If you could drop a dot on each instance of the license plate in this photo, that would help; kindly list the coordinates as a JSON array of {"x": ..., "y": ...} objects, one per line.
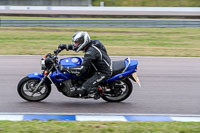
[{"x": 135, "y": 77}]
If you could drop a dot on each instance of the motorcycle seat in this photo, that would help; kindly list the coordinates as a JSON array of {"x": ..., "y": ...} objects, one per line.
[{"x": 117, "y": 67}]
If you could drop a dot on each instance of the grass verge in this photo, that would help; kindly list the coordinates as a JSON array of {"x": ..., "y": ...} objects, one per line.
[
  {"x": 98, "y": 127},
  {"x": 180, "y": 42},
  {"x": 149, "y": 3}
]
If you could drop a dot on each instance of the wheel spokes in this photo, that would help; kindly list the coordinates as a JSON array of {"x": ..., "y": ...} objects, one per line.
[{"x": 29, "y": 89}]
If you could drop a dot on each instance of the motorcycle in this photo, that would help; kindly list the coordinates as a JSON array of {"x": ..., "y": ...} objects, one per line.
[{"x": 36, "y": 87}]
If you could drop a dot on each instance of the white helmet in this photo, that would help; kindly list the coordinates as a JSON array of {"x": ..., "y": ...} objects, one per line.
[{"x": 81, "y": 40}]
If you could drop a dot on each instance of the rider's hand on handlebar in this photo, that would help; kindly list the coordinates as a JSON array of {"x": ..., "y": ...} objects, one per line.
[
  {"x": 48, "y": 55},
  {"x": 57, "y": 51},
  {"x": 62, "y": 46}
]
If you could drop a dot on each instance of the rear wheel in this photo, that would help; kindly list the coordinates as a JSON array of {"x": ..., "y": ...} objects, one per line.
[
  {"x": 122, "y": 90},
  {"x": 26, "y": 88}
]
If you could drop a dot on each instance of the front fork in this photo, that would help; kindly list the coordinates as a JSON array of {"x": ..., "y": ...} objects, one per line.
[
  {"x": 42, "y": 80},
  {"x": 37, "y": 87}
]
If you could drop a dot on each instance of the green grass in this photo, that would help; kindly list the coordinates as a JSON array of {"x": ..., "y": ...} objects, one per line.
[
  {"x": 119, "y": 41},
  {"x": 150, "y": 3},
  {"x": 98, "y": 127}
]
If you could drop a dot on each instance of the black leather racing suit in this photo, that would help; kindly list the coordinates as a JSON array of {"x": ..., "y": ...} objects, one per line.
[{"x": 96, "y": 55}]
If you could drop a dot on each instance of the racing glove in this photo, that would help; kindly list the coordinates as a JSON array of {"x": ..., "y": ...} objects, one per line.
[
  {"x": 66, "y": 46},
  {"x": 62, "y": 46}
]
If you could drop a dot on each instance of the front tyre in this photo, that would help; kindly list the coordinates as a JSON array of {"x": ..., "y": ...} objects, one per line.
[
  {"x": 26, "y": 87},
  {"x": 122, "y": 90}
]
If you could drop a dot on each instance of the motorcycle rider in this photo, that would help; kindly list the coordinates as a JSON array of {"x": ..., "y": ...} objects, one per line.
[{"x": 95, "y": 55}]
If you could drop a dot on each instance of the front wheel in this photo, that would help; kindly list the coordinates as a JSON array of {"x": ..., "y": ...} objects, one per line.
[
  {"x": 26, "y": 88},
  {"x": 121, "y": 90}
]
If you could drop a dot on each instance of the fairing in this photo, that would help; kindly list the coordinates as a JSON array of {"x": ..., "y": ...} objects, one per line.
[{"x": 130, "y": 67}]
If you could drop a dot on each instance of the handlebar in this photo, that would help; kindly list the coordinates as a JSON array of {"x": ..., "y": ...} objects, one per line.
[{"x": 57, "y": 51}]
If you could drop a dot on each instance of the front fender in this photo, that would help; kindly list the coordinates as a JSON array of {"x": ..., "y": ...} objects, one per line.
[{"x": 39, "y": 76}]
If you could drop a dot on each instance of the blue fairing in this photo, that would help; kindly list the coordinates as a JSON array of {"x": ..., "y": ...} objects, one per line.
[
  {"x": 58, "y": 76},
  {"x": 38, "y": 76},
  {"x": 130, "y": 68}
]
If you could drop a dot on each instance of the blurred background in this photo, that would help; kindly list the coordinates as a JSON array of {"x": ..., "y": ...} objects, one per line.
[
  {"x": 134, "y": 3},
  {"x": 139, "y": 27},
  {"x": 149, "y": 3}
]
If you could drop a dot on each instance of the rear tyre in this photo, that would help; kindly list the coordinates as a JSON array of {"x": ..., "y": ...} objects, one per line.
[
  {"x": 26, "y": 87},
  {"x": 125, "y": 91}
]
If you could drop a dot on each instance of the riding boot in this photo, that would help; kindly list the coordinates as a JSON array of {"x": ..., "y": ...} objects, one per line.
[
  {"x": 95, "y": 92},
  {"x": 81, "y": 91},
  {"x": 71, "y": 91}
]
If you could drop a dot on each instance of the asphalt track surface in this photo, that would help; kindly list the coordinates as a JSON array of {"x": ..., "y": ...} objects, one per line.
[{"x": 169, "y": 86}]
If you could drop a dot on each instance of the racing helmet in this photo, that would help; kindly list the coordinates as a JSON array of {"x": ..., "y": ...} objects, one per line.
[{"x": 81, "y": 40}]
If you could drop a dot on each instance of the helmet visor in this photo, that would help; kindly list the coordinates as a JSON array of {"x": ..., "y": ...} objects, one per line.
[{"x": 76, "y": 43}]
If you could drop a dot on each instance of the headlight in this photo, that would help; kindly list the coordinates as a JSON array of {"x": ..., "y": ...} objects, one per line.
[{"x": 43, "y": 64}]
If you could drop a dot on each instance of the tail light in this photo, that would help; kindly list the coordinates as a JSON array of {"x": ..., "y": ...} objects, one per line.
[{"x": 136, "y": 68}]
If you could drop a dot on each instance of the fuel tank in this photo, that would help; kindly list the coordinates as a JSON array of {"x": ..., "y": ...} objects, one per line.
[{"x": 71, "y": 61}]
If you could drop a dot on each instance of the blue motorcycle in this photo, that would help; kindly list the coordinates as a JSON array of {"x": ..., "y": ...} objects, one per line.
[{"x": 37, "y": 86}]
